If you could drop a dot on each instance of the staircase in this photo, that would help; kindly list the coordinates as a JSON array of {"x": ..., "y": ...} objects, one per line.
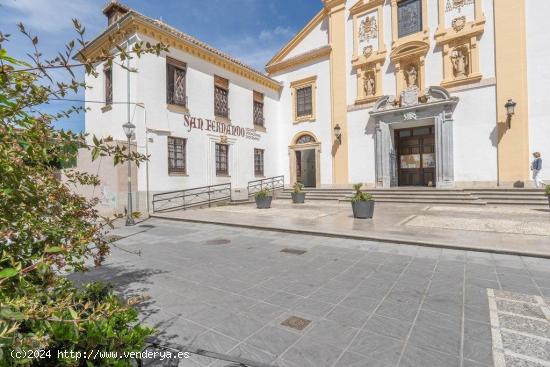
[{"x": 434, "y": 196}]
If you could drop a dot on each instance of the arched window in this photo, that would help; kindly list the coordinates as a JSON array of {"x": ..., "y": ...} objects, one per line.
[{"x": 304, "y": 139}]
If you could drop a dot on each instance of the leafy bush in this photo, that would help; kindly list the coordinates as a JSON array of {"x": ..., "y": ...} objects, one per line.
[
  {"x": 359, "y": 195},
  {"x": 47, "y": 230},
  {"x": 547, "y": 190},
  {"x": 263, "y": 193},
  {"x": 298, "y": 187}
]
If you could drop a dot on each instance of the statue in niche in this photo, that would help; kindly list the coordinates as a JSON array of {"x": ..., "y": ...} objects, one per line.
[
  {"x": 369, "y": 84},
  {"x": 411, "y": 77},
  {"x": 459, "y": 60}
]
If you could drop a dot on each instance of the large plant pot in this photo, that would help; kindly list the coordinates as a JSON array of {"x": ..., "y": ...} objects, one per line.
[
  {"x": 362, "y": 209},
  {"x": 264, "y": 203},
  {"x": 298, "y": 197}
]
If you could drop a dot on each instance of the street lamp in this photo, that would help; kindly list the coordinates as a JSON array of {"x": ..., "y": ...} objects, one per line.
[
  {"x": 338, "y": 133},
  {"x": 129, "y": 129},
  {"x": 510, "y": 110}
]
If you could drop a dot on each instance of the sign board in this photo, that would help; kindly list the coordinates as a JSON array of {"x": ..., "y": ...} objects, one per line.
[{"x": 191, "y": 122}]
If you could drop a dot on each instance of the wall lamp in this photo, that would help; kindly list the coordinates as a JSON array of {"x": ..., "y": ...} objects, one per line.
[
  {"x": 338, "y": 133},
  {"x": 510, "y": 110}
]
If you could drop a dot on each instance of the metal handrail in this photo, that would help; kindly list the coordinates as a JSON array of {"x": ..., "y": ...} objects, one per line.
[
  {"x": 272, "y": 183},
  {"x": 183, "y": 199}
]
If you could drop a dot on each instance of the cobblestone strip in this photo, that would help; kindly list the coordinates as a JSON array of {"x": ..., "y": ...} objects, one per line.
[{"x": 524, "y": 338}]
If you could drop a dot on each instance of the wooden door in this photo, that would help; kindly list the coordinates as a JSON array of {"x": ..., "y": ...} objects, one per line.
[{"x": 416, "y": 156}]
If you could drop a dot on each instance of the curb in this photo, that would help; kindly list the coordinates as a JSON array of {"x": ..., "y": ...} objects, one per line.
[{"x": 384, "y": 239}]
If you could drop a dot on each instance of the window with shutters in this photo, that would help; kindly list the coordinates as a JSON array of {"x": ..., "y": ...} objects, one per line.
[
  {"x": 304, "y": 102},
  {"x": 176, "y": 155},
  {"x": 108, "y": 74},
  {"x": 222, "y": 158},
  {"x": 258, "y": 108},
  {"x": 221, "y": 97},
  {"x": 259, "y": 162},
  {"x": 176, "y": 72}
]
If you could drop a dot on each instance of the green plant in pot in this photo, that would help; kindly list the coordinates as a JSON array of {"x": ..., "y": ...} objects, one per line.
[
  {"x": 362, "y": 203},
  {"x": 298, "y": 194},
  {"x": 263, "y": 198}
]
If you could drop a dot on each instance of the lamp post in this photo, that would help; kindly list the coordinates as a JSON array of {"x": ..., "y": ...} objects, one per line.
[
  {"x": 129, "y": 129},
  {"x": 338, "y": 133}
]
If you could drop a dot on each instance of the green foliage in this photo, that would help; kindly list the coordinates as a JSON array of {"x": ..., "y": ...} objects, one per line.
[
  {"x": 298, "y": 187},
  {"x": 547, "y": 190},
  {"x": 263, "y": 193},
  {"x": 359, "y": 195},
  {"x": 47, "y": 230}
]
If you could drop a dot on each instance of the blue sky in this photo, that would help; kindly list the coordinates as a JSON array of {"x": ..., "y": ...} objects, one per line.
[{"x": 251, "y": 30}]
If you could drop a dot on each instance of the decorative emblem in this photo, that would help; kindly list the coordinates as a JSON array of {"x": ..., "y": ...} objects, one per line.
[
  {"x": 409, "y": 115},
  {"x": 223, "y": 139},
  {"x": 368, "y": 29},
  {"x": 367, "y": 51},
  {"x": 457, "y": 4},
  {"x": 459, "y": 23}
]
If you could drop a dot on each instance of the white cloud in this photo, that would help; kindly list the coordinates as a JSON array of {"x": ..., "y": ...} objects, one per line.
[{"x": 54, "y": 16}]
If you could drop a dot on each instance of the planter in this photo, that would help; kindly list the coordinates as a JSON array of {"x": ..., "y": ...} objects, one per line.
[
  {"x": 264, "y": 203},
  {"x": 362, "y": 209},
  {"x": 298, "y": 197}
]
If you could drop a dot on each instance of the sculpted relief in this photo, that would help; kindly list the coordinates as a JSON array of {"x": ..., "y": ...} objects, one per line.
[
  {"x": 369, "y": 84},
  {"x": 459, "y": 59},
  {"x": 368, "y": 29},
  {"x": 411, "y": 76}
]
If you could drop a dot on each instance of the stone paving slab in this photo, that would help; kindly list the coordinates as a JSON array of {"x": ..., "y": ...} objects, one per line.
[
  {"x": 525, "y": 231},
  {"x": 367, "y": 303}
]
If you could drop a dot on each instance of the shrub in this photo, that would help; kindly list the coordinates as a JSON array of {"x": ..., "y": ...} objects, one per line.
[
  {"x": 359, "y": 195},
  {"x": 298, "y": 187},
  {"x": 263, "y": 193}
]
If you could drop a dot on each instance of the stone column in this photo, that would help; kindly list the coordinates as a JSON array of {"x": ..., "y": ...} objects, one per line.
[
  {"x": 383, "y": 145},
  {"x": 444, "y": 149}
]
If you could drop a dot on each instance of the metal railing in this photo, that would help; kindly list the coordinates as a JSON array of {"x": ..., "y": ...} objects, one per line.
[
  {"x": 198, "y": 196},
  {"x": 272, "y": 183}
]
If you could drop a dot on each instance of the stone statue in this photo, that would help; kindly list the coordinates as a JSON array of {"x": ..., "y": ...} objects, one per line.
[
  {"x": 369, "y": 85},
  {"x": 412, "y": 77},
  {"x": 460, "y": 63}
]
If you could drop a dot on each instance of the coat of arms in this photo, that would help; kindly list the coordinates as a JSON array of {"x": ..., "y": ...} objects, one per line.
[{"x": 368, "y": 29}]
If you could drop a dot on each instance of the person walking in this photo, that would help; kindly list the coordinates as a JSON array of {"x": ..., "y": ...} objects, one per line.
[{"x": 536, "y": 167}]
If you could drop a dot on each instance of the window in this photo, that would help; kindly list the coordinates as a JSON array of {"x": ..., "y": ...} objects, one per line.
[
  {"x": 222, "y": 157},
  {"x": 258, "y": 109},
  {"x": 259, "y": 162},
  {"x": 303, "y": 98},
  {"x": 175, "y": 82},
  {"x": 221, "y": 97},
  {"x": 304, "y": 139},
  {"x": 176, "y": 155},
  {"x": 409, "y": 17},
  {"x": 304, "y": 103},
  {"x": 108, "y": 74}
]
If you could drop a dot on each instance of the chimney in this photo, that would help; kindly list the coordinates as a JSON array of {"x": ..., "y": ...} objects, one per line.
[{"x": 114, "y": 11}]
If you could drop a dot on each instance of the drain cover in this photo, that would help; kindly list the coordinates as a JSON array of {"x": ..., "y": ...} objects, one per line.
[
  {"x": 296, "y": 322},
  {"x": 293, "y": 251},
  {"x": 219, "y": 241},
  {"x": 147, "y": 226}
]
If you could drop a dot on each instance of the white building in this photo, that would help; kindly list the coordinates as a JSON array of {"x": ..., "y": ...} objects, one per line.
[{"x": 385, "y": 92}]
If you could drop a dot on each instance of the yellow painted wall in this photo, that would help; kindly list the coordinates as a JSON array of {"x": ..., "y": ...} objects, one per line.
[
  {"x": 511, "y": 73},
  {"x": 337, "y": 39}
]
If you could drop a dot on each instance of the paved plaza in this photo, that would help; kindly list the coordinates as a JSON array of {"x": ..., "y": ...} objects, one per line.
[
  {"x": 293, "y": 300},
  {"x": 503, "y": 229}
]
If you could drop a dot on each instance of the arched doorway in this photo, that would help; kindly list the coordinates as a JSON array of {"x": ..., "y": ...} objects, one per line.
[{"x": 305, "y": 159}]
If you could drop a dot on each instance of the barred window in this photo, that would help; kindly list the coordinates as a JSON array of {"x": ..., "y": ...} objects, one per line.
[
  {"x": 258, "y": 113},
  {"x": 176, "y": 72},
  {"x": 222, "y": 158},
  {"x": 108, "y": 74},
  {"x": 176, "y": 155},
  {"x": 221, "y": 105},
  {"x": 304, "y": 102},
  {"x": 259, "y": 162}
]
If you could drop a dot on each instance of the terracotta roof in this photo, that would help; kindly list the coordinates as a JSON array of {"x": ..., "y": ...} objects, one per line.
[{"x": 175, "y": 32}]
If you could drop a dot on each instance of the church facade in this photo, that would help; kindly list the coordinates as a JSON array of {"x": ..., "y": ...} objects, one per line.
[{"x": 436, "y": 93}]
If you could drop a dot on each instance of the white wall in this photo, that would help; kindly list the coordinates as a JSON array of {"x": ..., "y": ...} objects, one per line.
[
  {"x": 538, "y": 74},
  {"x": 318, "y": 37}
]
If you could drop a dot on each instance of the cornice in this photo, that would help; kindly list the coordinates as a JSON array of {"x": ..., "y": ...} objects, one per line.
[
  {"x": 299, "y": 59},
  {"x": 279, "y": 56},
  {"x": 365, "y": 5},
  {"x": 409, "y": 49},
  {"x": 132, "y": 23},
  {"x": 471, "y": 29}
]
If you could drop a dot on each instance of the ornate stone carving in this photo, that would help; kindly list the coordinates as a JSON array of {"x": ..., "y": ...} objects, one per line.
[
  {"x": 411, "y": 76},
  {"x": 459, "y": 23},
  {"x": 409, "y": 115},
  {"x": 409, "y": 97},
  {"x": 369, "y": 84},
  {"x": 457, "y": 4},
  {"x": 367, "y": 51},
  {"x": 368, "y": 29},
  {"x": 459, "y": 59},
  {"x": 223, "y": 139}
]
